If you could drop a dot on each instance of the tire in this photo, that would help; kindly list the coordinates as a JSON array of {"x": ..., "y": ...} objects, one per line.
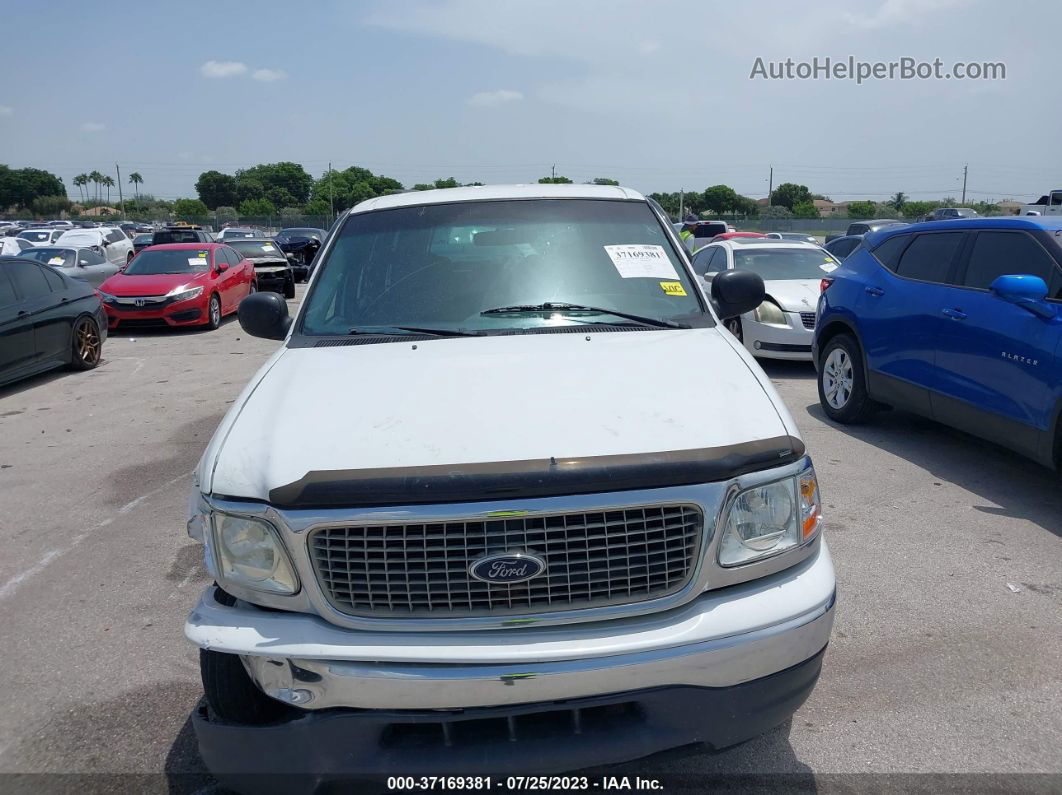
[
  {"x": 128, "y": 257},
  {"x": 213, "y": 312},
  {"x": 231, "y": 694},
  {"x": 86, "y": 346},
  {"x": 733, "y": 325},
  {"x": 842, "y": 382},
  {"x": 289, "y": 287}
]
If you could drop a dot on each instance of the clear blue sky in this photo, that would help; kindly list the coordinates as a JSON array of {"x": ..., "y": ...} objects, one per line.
[{"x": 657, "y": 95}]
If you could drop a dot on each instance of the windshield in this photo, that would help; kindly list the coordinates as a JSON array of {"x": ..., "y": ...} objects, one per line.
[
  {"x": 442, "y": 266},
  {"x": 151, "y": 261},
  {"x": 235, "y": 234},
  {"x": 253, "y": 249},
  {"x": 175, "y": 236},
  {"x": 289, "y": 234},
  {"x": 60, "y": 257},
  {"x": 142, "y": 240},
  {"x": 36, "y": 235},
  {"x": 786, "y": 263}
]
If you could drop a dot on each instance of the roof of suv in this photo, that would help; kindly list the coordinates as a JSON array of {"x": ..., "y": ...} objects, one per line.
[
  {"x": 1026, "y": 222},
  {"x": 488, "y": 192}
]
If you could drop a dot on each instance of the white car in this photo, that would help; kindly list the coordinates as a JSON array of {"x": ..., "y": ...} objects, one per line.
[
  {"x": 111, "y": 242},
  {"x": 782, "y": 327},
  {"x": 467, "y": 501},
  {"x": 13, "y": 246},
  {"x": 40, "y": 237}
]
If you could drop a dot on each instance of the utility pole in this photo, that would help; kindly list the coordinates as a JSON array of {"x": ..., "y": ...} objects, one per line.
[
  {"x": 682, "y": 195},
  {"x": 964, "y": 169},
  {"x": 121, "y": 201},
  {"x": 331, "y": 191},
  {"x": 553, "y": 172},
  {"x": 770, "y": 186}
]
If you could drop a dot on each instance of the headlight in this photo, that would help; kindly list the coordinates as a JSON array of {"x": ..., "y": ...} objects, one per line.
[
  {"x": 769, "y": 312},
  {"x": 183, "y": 294},
  {"x": 766, "y": 520},
  {"x": 250, "y": 554}
]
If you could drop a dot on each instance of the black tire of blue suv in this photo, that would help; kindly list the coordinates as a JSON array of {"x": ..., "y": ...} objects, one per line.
[{"x": 859, "y": 406}]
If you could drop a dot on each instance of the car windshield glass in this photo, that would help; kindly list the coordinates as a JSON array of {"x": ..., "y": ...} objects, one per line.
[
  {"x": 36, "y": 236},
  {"x": 81, "y": 238},
  {"x": 186, "y": 260},
  {"x": 288, "y": 234},
  {"x": 234, "y": 234},
  {"x": 256, "y": 248},
  {"x": 175, "y": 236},
  {"x": 142, "y": 240},
  {"x": 786, "y": 263},
  {"x": 60, "y": 257},
  {"x": 442, "y": 266}
]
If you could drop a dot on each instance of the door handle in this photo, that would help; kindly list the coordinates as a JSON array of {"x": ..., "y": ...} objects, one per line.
[
  {"x": 877, "y": 292},
  {"x": 954, "y": 314}
]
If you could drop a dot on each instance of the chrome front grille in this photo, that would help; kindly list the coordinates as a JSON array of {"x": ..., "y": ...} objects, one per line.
[
  {"x": 592, "y": 559},
  {"x": 808, "y": 319}
]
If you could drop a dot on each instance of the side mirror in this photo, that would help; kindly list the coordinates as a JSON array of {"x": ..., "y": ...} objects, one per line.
[
  {"x": 265, "y": 315},
  {"x": 222, "y": 266},
  {"x": 1023, "y": 290},
  {"x": 735, "y": 292}
]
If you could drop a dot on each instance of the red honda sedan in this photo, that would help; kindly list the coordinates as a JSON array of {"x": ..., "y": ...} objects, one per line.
[{"x": 179, "y": 284}]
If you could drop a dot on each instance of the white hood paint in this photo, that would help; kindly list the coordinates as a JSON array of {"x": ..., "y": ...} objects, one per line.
[
  {"x": 794, "y": 295},
  {"x": 458, "y": 401}
]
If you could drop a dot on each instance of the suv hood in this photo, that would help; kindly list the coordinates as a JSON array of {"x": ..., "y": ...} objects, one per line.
[{"x": 377, "y": 421}]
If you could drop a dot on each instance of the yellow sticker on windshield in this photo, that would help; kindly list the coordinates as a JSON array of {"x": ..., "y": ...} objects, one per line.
[
  {"x": 201, "y": 255},
  {"x": 673, "y": 288}
]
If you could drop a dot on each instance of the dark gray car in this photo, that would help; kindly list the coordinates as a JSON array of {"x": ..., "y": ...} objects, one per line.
[{"x": 83, "y": 264}]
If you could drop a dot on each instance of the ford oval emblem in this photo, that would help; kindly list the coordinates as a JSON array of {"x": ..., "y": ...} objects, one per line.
[{"x": 507, "y": 569}]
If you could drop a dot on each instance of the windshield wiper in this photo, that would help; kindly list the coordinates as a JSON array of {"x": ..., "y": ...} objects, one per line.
[
  {"x": 435, "y": 332},
  {"x": 561, "y": 306}
]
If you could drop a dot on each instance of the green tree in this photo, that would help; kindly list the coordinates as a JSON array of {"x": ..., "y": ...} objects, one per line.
[
  {"x": 805, "y": 210},
  {"x": 720, "y": 199},
  {"x": 50, "y": 205},
  {"x": 261, "y": 207},
  {"x": 281, "y": 197},
  {"x": 20, "y": 186},
  {"x": 96, "y": 178},
  {"x": 291, "y": 177},
  {"x": 108, "y": 182},
  {"x": 190, "y": 209},
  {"x": 136, "y": 181},
  {"x": 861, "y": 209},
  {"x": 554, "y": 181},
  {"x": 248, "y": 188},
  {"x": 775, "y": 211},
  {"x": 422, "y": 186},
  {"x": 317, "y": 207},
  {"x": 449, "y": 182},
  {"x": 746, "y": 206},
  {"x": 898, "y": 201},
  {"x": 80, "y": 181},
  {"x": 603, "y": 181},
  {"x": 216, "y": 189},
  {"x": 789, "y": 194},
  {"x": 352, "y": 185},
  {"x": 225, "y": 215},
  {"x": 918, "y": 208}
]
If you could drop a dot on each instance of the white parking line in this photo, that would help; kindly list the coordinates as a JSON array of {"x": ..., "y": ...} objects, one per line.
[{"x": 12, "y": 585}]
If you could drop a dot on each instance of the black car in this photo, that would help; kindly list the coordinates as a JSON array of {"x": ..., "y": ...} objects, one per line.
[
  {"x": 841, "y": 247},
  {"x": 48, "y": 319},
  {"x": 272, "y": 268},
  {"x": 304, "y": 242},
  {"x": 952, "y": 213},
  {"x": 863, "y": 227},
  {"x": 142, "y": 241},
  {"x": 180, "y": 234}
]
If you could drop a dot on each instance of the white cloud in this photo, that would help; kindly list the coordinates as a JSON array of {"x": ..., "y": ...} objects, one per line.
[
  {"x": 269, "y": 75},
  {"x": 492, "y": 99},
  {"x": 222, "y": 69},
  {"x": 6, "y": 110},
  {"x": 899, "y": 12},
  {"x": 93, "y": 126}
]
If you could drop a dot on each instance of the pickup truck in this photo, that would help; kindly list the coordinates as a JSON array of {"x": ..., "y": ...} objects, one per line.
[
  {"x": 456, "y": 525},
  {"x": 1049, "y": 204}
]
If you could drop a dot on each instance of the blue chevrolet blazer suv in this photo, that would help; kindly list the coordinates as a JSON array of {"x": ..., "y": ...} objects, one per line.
[{"x": 959, "y": 321}]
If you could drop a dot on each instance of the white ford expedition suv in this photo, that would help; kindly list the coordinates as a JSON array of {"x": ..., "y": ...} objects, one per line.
[{"x": 465, "y": 518}]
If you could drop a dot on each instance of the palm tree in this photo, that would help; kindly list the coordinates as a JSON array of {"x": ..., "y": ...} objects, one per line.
[
  {"x": 81, "y": 180},
  {"x": 96, "y": 178},
  {"x": 109, "y": 183},
  {"x": 898, "y": 201},
  {"x": 136, "y": 179}
]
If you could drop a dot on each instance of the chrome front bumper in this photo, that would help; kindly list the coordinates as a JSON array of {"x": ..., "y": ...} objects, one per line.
[{"x": 723, "y": 638}]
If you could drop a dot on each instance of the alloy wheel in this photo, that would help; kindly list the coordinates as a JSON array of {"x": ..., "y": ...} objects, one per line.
[
  {"x": 837, "y": 378},
  {"x": 87, "y": 342}
]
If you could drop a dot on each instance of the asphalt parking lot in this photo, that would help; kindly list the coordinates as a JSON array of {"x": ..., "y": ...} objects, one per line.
[{"x": 946, "y": 655}]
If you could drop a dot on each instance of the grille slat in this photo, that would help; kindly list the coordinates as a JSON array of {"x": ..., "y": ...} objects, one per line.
[
  {"x": 592, "y": 559},
  {"x": 808, "y": 319}
]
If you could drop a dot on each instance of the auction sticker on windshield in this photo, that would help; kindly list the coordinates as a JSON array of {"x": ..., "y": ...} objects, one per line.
[{"x": 639, "y": 261}]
